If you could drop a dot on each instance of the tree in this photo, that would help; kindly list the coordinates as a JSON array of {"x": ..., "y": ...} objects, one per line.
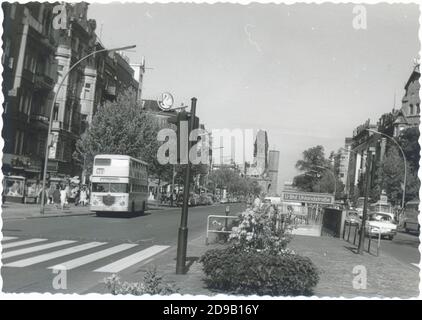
[
  {"x": 312, "y": 157},
  {"x": 120, "y": 127},
  {"x": 318, "y": 173},
  {"x": 393, "y": 177},
  {"x": 408, "y": 140},
  {"x": 233, "y": 182}
]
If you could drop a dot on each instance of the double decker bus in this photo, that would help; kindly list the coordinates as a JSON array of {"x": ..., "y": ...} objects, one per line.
[{"x": 119, "y": 183}]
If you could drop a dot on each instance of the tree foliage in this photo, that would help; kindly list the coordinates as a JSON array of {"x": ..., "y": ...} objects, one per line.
[
  {"x": 318, "y": 172},
  {"x": 233, "y": 182},
  {"x": 393, "y": 176},
  {"x": 120, "y": 127}
]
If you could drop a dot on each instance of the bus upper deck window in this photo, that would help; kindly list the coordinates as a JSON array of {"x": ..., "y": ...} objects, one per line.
[{"x": 102, "y": 162}]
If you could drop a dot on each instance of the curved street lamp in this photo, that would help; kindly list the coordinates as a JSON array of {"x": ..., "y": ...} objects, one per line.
[
  {"x": 50, "y": 121},
  {"x": 404, "y": 159}
]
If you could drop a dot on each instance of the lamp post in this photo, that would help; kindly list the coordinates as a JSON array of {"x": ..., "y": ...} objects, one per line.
[
  {"x": 50, "y": 121},
  {"x": 404, "y": 159}
]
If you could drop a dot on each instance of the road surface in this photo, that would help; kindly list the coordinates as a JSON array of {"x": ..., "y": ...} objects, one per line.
[{"x": 91, "y": 248}]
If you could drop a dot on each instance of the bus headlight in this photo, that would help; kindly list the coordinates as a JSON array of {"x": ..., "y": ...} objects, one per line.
[
  {"x": 95, "y": 203},
  {"x": 122, "y": 203}
]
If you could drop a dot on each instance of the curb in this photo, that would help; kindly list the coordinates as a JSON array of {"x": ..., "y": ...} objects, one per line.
[{"x": 48, "y": 216}]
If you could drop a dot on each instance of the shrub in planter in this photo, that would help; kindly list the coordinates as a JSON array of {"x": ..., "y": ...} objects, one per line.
[
  {"x": 152, "y": 284},
  {"x": 258, "y": 230},
  {"x": 259, "y": 272}
]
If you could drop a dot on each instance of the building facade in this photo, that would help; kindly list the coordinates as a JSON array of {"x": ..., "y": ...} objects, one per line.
[
  {"x": 37, "y": 57},
  {"x": 30, "y": 73},
  {"x": 74, "y": 42},
  {"x": 390, "y": 124}
]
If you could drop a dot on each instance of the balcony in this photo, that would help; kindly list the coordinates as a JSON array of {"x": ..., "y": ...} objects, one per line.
[
  {"x": 76, "y": 123},
  {"x": 43, "y": 82},
  {"x": 111, "y": 91},
  {"x": 39, "y": 121},
  {"x": 57, "y": 125},
  {"x": 28, "y": 75}
]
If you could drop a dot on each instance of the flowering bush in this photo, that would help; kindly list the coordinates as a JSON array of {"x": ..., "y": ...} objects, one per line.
[
  {"x": 257, "y": 260},
  {"x": 260, "y": 230},
  {"x": 253, "y": 272},
  {"x": 151, "y": 284}
]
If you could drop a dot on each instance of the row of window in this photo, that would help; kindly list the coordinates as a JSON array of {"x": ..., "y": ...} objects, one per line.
[
  {"x": 19, "y": 140},
  {"x": 105, "y": 187},
  {"x": 25, "y": 102},
  {"x": 20, "y": 146}
]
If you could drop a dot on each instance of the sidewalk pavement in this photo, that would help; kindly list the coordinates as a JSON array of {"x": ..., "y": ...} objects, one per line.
[
  {"x": 386, "y": 276},
  {"x": 13, "y": 211},
  {"x": 165, "y": 263},
  {"x": 336, "y": 259}
]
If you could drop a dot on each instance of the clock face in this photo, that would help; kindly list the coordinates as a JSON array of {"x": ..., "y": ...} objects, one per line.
[{"x": 166, "y": 101}]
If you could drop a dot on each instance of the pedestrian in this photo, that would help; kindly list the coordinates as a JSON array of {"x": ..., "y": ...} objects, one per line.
[
  {"x": 63, "y": 197},
  {"x": 56, "y": 196},
  {"x": 51, "y": 190},
  {"x": 83, "y": 196},
  {"x": 67, "y": 190}
]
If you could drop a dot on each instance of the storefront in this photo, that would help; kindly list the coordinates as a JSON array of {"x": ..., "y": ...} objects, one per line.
[{"x": 13, "y": 189}]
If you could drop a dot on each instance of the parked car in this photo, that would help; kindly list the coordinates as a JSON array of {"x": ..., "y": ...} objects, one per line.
[
  {"x": 352, "y": 216},
  {"x": 410, "y": 221},
  {"x": 205, "y": 199},
  {"x": 194, "y": 199},
  {"x": 381, "y": 222}
]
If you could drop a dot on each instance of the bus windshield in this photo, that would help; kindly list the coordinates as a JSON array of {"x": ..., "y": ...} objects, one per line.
[{"x": 110, "y": 187}]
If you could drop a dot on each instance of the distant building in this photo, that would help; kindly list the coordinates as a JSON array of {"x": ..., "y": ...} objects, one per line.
[
  {"x": 273, "y": 162},
  {"x": 344, "y": 162},
  {"x": 153, "y": 108},
  {"x": 139, "y": 69},
  {"x": 260, "y": 163},
  {"x": 258, "y": 170}
]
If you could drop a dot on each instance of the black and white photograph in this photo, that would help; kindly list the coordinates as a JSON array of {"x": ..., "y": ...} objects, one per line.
[{"x": 215, "y": 150}]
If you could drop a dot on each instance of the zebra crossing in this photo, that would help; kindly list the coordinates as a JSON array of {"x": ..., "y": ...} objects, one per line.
[{"x": 30, "y": 252}]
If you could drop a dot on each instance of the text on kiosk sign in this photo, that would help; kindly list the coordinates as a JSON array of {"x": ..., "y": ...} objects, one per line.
[{"x": 307, "y": 197}]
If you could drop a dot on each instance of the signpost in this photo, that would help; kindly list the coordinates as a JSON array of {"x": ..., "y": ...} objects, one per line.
[
  {"x": 183, "y": 229},
  {"x": 307, "y": 197}
]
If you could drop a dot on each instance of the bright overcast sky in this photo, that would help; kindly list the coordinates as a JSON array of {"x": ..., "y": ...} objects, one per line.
[{"x": 301, "y": 72}]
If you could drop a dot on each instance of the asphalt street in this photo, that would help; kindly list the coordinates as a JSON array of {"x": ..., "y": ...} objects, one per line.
[
  {"x": 91, "y": 247},
  {"x": 404, "y": 247}
]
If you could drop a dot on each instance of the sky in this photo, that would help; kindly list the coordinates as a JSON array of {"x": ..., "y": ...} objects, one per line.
[{"x": 301, "y": 72}]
